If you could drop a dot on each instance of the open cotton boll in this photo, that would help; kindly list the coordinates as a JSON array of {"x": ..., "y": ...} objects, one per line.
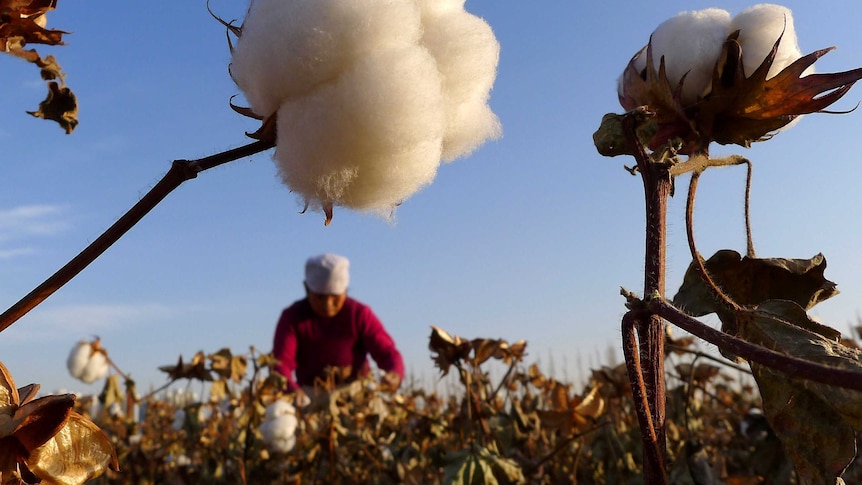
[
  {"x": 759, "y": 27},
  {"x": 691, "y": 44},
  {"x": 467, "y": 54},
  {"x": 289, "y": 48},
  {"x": 369, "y": 140},
  {"x": 86, "y": 363},
  {"x": 279, "y": 427}
]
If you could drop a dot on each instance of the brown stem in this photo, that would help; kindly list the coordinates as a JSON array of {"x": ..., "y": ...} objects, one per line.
[
  {"x": 791, "y": 366},
  {"x": 651, "y": 334},
  {"x": 653, "y": 449},
  {"x": 180, "y": 171},
  {"x": 749, "y": 246}
]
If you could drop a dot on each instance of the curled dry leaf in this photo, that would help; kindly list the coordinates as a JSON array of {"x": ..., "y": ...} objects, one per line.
[
  {"x": 196, "y": 369},
  {"x": 449, "y": 350},
  {"x": 750, "y": 281},
  {"x": 22, "y": 22}
]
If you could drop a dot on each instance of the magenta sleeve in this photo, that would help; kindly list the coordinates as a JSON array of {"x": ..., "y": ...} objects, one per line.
[
  {"x": 284, "y": 350},
  {"x": 380, "y": 345}
]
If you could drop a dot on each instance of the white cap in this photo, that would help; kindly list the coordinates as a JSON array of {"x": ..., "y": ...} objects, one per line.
[{"x": 327, "y": 274}]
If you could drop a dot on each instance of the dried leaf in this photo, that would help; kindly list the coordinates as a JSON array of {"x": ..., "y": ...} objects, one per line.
[
  {"x": 59, "y": 105},
  {"x": 592, "y": 405},
  {"x": 750, "y": 281},
  {"x": 815, "y": 422},
  {"x": 196, "y": 369},
  {"x": 450, "y": 350},
  {"x": 112, "y": 393}
]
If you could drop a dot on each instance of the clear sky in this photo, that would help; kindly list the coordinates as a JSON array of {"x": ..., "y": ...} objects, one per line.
[{"x": 531, "y": 237}]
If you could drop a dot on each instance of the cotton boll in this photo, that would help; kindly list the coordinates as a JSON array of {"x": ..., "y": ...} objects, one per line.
[
  {"x": 289, "y": 48},
  {"x": 691, "y": 44},
  {"x": 759, "y": 28},
  {"x": 87, "y": 362},
  {"x": 467, "y": 54},
  {"x": 279, "y": 427},
  {"x": 440, "y": 7},
  {"x": 369, "y": 140},
  {"x": 95, "y": 369},
  {"x": 78, "y": 359}
]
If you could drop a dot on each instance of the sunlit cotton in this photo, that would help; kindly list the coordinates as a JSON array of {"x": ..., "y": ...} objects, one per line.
[{"x": 369, "y": 95}]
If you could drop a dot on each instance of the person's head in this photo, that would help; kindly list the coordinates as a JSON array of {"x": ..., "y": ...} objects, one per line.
[{"x": 326, "y": 280}]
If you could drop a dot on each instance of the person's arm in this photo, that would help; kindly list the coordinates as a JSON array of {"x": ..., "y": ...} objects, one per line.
[
  {"x": 382, "y": 349},
  {"x": 284, "y": 350}
]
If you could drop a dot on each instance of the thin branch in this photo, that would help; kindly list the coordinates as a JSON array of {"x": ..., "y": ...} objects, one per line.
[
  {"x": 791, "y": 366},
  {"x": 749, "y": 241},
  {"x": 180, "y": 171}
]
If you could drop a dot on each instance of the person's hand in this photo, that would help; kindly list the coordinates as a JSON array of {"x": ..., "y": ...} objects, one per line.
[
  {"x": 390, "y": 382},
  {"x": 301, "y": 400}
]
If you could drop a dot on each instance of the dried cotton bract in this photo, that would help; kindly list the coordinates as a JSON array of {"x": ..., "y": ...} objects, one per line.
[
  {"x": 369, "y": 95},
  {"x": 87, "y": 361}
]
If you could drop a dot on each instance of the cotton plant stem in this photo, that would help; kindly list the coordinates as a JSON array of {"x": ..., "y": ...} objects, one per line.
[
  {"x": 792, "y": 367},
  {"x": 651, "y": 332},
  {"x": 180, "y": 171}
]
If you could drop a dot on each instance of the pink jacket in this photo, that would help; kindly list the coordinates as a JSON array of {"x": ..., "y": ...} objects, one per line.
[{"x": 306, "y": 343}]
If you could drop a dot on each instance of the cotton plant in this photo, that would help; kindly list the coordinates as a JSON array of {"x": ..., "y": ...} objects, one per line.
[
  {"x": 88, "y": 361},
  {"x": 707, "y": 76},
  {"x": 367, "y": 96},
  {"x": 279, "y": 426}
]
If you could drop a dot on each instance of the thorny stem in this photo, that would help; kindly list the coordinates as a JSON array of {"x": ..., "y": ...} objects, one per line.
[
  {"x": 180, "y": 171},
  {"x": 657, "y": 182}
]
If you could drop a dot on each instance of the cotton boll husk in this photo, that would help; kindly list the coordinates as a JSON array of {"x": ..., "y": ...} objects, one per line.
[
  {"x": 369, "y": 140},
  {"x": 691, "y": 44},
  {"x": 467, "y": 54},
  {"x": 289, "y": 48},
  {"x": 759, "y": 27}
]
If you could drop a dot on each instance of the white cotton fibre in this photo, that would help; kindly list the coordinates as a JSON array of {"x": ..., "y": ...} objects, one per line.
[
  {"x": 86, "y": 364},
  {"x": 467, "y": 54},
  {"x": 759, "y": 28},
  {"x": 289, "y": 48},
  {"x": 78, "y": 358},
  {"x": 369, "y": 140},
  {"x": 369, "y": 94},
  {"x": 279, "y": 427},
  {"x": 691, "y": 44}
]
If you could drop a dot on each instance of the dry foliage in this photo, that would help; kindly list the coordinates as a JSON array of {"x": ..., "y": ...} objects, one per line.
[{"x": 526, "y": 427}]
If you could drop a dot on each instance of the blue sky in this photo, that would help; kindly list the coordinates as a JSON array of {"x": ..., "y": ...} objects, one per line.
[{"x": 531, "y": 237}]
